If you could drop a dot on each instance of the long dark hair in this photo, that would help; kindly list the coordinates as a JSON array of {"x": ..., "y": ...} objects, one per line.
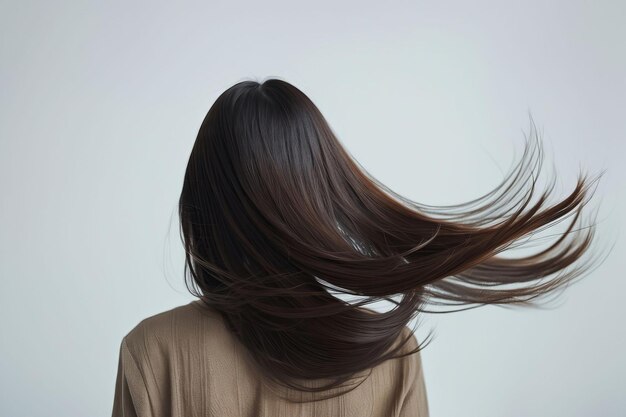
[{"x": 276, "y": 216}]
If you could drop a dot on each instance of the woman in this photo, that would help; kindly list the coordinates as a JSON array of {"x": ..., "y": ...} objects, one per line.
[{"x": 277, "y": 219}]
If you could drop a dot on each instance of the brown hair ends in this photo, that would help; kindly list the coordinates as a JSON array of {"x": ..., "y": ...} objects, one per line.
[{"x": 276, "y": 216}]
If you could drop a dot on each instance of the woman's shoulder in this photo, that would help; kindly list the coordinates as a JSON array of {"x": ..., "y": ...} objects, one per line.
[{"x": 169, "y": 328}]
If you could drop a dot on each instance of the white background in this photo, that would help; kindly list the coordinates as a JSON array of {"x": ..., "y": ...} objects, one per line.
[{"x": 100, "y": 104}]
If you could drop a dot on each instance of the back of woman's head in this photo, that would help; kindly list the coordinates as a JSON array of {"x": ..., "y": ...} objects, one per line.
[{"x": 276, "y": 216}]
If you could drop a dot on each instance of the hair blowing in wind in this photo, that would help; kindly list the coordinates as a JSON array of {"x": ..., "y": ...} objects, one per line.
[{"x": 276, "y": 216}]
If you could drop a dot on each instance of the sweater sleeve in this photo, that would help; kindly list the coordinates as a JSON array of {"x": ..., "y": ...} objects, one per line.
[
  {"x": 415, "y": 402},
  {"x": 131, "y": 395}
]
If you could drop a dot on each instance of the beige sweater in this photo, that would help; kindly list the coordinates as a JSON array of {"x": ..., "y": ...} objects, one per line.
[{"x": 184, "y": 362}]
